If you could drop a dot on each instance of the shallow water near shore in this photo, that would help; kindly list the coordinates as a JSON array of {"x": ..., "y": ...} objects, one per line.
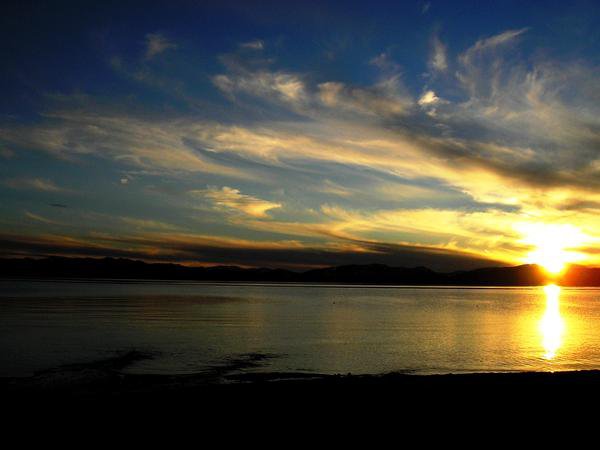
[{"x": 195, "y": 327}]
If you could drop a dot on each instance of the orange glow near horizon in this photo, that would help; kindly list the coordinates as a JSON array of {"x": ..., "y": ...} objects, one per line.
[{"x": 553, "y": 245}]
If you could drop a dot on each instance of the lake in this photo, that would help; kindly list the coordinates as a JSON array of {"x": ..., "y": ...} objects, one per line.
[{"x": 189, "y": 327}]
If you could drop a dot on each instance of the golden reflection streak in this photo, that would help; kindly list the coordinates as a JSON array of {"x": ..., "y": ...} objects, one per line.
[{"x": 552, "y": 324}]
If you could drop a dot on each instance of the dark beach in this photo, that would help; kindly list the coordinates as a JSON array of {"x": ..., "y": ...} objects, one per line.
[{"x": 105, "y": 380}]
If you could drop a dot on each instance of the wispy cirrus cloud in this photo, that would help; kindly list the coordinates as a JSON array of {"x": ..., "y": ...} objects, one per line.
[
  {"x": 281, "y": 86},
  {"x": 490, "y": 43},
  {"x": 383, "y": 99},
  {"x": 147, "y": 224},
  {"x": 232, "y": 199},
  {"x": 438, "y": 58},
  {"x": 256, "y": 44},
  {"x": 387, "y": 96},
  {"x": 153, "y": 145},
  {"x": 156, "y": 44},
  {"x": 482, "y": 64},
  {"x": 42, "y": 219},
  {"x": 37, "y": 184}
]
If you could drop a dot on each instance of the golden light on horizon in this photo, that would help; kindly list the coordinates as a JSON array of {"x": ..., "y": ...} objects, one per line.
[
  {"x": 552, "y": 244},
  {"x": 552, "y": 325}
]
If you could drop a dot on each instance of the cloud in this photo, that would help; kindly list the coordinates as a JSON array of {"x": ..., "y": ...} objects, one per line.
[
  {"x": 489, "y": 148},
  {"x": 359, "y": 145},
  {"x": 147, "y": 224},
  {"x": 438, "y": 60},
  {"x": 482, "y": 63},
  {"x": 383, "y": 99},
  {"x": 256, "y": 44},
  {"x": 38, "y": 218},
  {"x": 487, "y": 232},
  {"x": 279, "y": 86},
  {"x": 331, "y": 188},
  {"x": 37, "y": 184},
  {"x": 211, "y": 250},
  {"x": 487, "y": 44},
  {"x": 153, "y": 145},
  {"x": 388, "y": 96},
  {"x": 156, "y": 44},
  {"x": 384, "y": 63},
  {"x": 428, "y": 98},
  {"x": 233, "y": 199}
]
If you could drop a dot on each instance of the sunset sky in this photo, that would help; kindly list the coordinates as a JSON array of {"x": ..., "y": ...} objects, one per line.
[{"x": 447, "y": 134}]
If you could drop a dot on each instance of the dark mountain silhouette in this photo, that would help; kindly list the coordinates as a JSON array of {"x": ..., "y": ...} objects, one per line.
[
  {"x": 118, "y": 268},
  {"x": 525, "y": 275},
  {"x": 581, "y": 276},
  {"x": 374, "y": 274}
]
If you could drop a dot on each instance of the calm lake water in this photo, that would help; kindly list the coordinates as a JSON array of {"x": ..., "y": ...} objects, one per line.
[{"x": 325, "y": 329}]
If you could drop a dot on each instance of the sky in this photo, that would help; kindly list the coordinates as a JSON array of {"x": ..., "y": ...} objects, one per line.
[{"x": 451, "y": 135}]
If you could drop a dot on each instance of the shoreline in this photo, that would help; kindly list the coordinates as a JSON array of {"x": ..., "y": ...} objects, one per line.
[{"x": 105, "y": 379}]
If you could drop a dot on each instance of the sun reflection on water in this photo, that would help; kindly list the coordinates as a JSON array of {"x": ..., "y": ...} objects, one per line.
[{"x": 552, "y": 325}]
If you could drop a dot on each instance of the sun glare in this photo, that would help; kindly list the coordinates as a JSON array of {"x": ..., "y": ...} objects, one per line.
[
  {"x": 553, "y": 245},
  {"x": 552, "y": 325}
]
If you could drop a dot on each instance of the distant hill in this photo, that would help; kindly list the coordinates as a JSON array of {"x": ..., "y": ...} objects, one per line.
[{"x": 117, "y": 268}]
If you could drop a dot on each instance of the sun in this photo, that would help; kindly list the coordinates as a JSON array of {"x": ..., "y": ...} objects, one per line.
[{"x": 552, "y": 244}]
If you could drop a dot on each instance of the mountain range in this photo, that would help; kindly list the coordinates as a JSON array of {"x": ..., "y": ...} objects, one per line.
[{"x": 119, "y": 268}]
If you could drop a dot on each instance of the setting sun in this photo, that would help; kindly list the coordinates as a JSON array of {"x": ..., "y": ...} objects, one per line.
[{"x": 552, "y": 245}]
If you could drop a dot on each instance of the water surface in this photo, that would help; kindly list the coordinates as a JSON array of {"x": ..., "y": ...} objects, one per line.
[{"x": 325, "y": 329}]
